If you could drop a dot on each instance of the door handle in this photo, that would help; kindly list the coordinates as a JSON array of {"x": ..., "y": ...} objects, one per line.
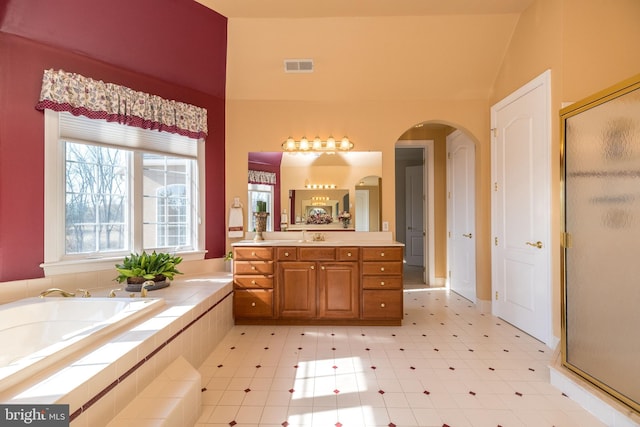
[
  {"x": 537, "y": 244},
  {"x": 468, "y": 235}
]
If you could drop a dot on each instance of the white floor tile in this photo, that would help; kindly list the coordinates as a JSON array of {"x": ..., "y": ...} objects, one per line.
[{"x": 448, "y": 364}]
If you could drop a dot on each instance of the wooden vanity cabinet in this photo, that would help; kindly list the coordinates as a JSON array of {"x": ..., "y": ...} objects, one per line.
[
  {"x": 382, "y": 283},
  {"x": 253, "y": 282},
  {"x": 321, "y": 284}
]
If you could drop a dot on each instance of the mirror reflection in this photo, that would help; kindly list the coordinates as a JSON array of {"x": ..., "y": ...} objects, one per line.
[{"x": 319, "y": 191}]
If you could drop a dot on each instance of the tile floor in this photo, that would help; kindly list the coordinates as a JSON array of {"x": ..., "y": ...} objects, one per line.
[{"x": 447, "y": 365}]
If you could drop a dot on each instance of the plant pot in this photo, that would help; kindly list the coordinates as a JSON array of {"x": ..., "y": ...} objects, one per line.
[
  {"x": 134, "y": 284},
  {"x": 261, "y": 224}
]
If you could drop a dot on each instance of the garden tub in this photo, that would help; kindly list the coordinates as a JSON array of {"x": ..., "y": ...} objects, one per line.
[{"x": 38, "y": 332}]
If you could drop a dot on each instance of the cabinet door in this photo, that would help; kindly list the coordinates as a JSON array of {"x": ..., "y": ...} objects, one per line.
[
  {"x": 253, "y": 303},
  {"x": 297, "y": 289},
  {"x": 338, "y": 290},
  {"x": 381, "y": 305}
]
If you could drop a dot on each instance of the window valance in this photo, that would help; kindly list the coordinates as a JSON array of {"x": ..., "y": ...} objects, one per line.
[
  {"x": 262, "y": 177},
  {"x": 79, "y": 95}
]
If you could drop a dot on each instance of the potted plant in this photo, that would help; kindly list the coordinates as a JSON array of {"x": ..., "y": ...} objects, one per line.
[
  {"x": 136, "y": 269},
  {"x": 228, "y": 259},
  {"x": 260, "y": 215}
]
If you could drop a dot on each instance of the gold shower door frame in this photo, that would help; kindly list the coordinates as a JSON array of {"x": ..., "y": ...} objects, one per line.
[{"x": 600, "y": 162}]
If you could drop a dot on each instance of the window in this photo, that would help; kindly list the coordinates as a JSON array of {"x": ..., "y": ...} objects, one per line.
[
  {"x": 112, "y": 189},
  {"x": 262, "y": 193}
]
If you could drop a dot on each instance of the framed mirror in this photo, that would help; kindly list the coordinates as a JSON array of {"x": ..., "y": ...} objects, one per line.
[{"x": 323, "y": 185}]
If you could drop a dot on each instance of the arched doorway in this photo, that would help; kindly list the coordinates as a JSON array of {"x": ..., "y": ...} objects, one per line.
[{"x": 422, "y": 158}]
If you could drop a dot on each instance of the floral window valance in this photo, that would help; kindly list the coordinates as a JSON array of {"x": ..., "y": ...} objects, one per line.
[
  {"x": 79, "y": 95},
  {"x": 262, "y": 177}
]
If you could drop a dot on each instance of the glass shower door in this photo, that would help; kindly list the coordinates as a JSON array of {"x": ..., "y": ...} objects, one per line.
[{"x": 601, "y": 289}]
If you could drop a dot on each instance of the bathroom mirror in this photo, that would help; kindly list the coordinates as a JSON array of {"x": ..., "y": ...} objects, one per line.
[
  {"x": 343, "y": 178},
  {"x": 313, "y": 206}
]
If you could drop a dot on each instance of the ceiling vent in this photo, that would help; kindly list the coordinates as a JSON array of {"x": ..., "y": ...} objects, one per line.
[{"x": 298, "y": 65}]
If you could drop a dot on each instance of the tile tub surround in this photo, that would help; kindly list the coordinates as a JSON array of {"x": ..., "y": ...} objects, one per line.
[{"x": 101, "y": 383}]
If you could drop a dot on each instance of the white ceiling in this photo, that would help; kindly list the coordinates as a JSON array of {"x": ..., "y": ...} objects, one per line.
[{"x": 360, "y": 8}]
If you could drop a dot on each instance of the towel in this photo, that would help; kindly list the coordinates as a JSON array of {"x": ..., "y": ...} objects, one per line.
[{"x": 236, "y": 222}]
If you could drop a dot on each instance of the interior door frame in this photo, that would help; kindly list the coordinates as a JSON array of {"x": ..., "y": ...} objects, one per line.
[{"x": 428, "y": 146}]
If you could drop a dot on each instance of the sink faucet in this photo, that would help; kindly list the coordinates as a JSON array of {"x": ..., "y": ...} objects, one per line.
[
  {"x": 53, "y": 290},
  {"x": 112, "y": 294}
]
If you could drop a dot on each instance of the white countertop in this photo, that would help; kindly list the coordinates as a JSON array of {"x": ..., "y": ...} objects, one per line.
[{"x": 329, "y": 238}]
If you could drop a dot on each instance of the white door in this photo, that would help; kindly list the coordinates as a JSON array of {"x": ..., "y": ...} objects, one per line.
[
  {"x": 521, "y": 204},
  {"x": 414, "y": 250},
  {"x": 461, "y": 215},
  {"x": 362, "y": 210}
]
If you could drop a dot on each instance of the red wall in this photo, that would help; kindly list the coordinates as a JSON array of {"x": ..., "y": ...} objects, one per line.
[{"x": 22, "y": 61}]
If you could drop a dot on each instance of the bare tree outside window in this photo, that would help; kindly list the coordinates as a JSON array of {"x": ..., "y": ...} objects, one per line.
[{"x": 97, "y": 194}]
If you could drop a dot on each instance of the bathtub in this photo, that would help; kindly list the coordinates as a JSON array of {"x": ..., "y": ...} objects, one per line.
[{"x": 36, "y": 333}]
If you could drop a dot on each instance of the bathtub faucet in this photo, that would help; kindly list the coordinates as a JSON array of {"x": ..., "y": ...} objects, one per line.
[
  {"x": 143, "y": 289},
  {"x": 60, "y": 291}
]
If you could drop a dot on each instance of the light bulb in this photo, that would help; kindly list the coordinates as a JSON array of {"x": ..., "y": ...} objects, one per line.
[
  {"x": 317, "y": 144},
  {"x": 331, "y": 143},
  {"x": 304, "y": 144},
  {"x": 345, "y": 144},
  {"x": 291, "y": 144}
]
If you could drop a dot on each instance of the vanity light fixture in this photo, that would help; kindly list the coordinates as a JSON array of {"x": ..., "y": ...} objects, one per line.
[
  {"x": 320, "y": 186},
  {"x": 317, "y": 145}
]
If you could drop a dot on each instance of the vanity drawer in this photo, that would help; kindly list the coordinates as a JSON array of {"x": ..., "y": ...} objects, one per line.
[
  {"x": 381, "y": 305},
  {"x": 393, "y": 253},
  {"x": 288, "y": 253},
  {"x": 382, "y": 268},
  {"x": 250, "y": 253},
  {"x": 252, "y": 303},
  {"x": 348, "y": 254},
  {"x": 253, "y": 282},
  {"x": 311, "y": 253},
  {"x": 382, "y": 282},
  {"x": 253, "y": 267}
]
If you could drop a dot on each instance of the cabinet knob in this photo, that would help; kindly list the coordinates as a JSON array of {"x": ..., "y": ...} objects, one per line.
[
  {"x": 253, "y": 282},
  {"x": 253, "y": 254},
  {"x": 381, "y": 253},
  {"x": 322, "y": 267},
  {"x": 381, "y": 283},
  {"x": 312, "y": 267},
  {"x": 382, "y": 305},
  {"x": 253, "y": 304},
  {"x": 348, "y": 253},
  {"x": 253, "y": 267},
  {"x": 381, "y": 268},
  {"x": 286, "y": 254}
]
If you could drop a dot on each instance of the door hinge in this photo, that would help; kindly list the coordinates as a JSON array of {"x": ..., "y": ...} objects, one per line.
[
  {"x": 495, "y": 241},
  {"x": 449, "y": 234},
  {"x": 449, "y": 274},
  {"x": 449, "y": 155},
  {"x": 494, "y": 131},
  {"x": 495, "y": 186},
  {"x": 449, "y": 195},
  {"x": 567, "y": 240},
  {"x": 496, "y": 295}
]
